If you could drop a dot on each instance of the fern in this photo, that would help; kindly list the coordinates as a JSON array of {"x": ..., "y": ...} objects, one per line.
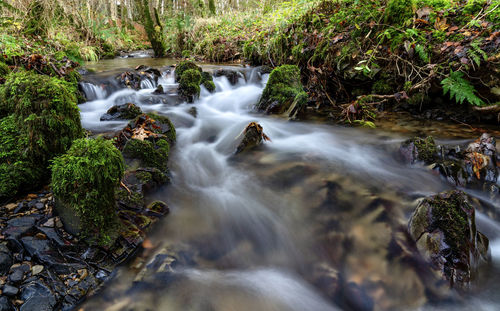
[
  {"x": 476, "y": 53},
  {"x": 460, "y": 89},
  {"x": 422, "y": 53}
]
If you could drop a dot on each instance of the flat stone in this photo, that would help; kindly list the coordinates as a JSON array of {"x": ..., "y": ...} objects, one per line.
[
  {"x": 35, "y": 247},
  {"x": 11, "y": 206},
  {"x": 19, "y": 226},
  {"x": 51, "y": 233},
  {"x": 9, "y": 290},
  {"x": 36, "y": 269},
  {"x": 37, "y": 296},
  {"x": 49, "y": 223},
  {"x": 39, "y": 205},
  {"x": 5, "y": 304}
]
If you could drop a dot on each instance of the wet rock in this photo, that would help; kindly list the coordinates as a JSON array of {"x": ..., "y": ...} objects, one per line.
[
  {"x": 193, "y": 111},
  {"x": 37, "y": 297},
  {"x": 126, "y": 111},
  {"x": 141, "y": 77},
  {"x": 232, "y": 75},
  {"x": 253, "y": 136},
  {"x": 16, "y": 276},
  {"x": 444, "y": 229},
  {"x": 159, "y": 90},
  {"x": 5, "y": 304},
  {"x": 9, "y": 290},
  {"x": 52, "y": 234},
  {"x": 35, "y": 247},
  {"x": 36, "y": 269},
  {"x": 480, "y": 158},
  {"x": 5, "y": 259},
  {"x": 418, "y": 149},
  {"x": 17, "y": 227}
]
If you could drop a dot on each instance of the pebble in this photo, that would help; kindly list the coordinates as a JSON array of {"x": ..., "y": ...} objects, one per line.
[
  {"x": 11, "y": 206},
  {"x": 17, "y": 276},
  {"x": 10, "y": 291},
  {"x": 39, "y": 205},
  {"x": 49, "y": 223},
  {"x": 36, "y": 269}
]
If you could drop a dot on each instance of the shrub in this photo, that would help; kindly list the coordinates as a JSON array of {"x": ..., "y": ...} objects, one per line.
[{"x": 84, "y": 180}]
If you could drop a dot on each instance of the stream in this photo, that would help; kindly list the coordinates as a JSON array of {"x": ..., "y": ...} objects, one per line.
[{"x": 253, "y": 231}]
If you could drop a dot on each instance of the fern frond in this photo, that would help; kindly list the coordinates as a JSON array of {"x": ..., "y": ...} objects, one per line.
[
  {"x": 476, "y": 53},
  {"x": 460, "y": 89}
]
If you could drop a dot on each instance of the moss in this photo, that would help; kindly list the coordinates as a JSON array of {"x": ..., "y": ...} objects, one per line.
[
  {"x": 426, "y": 149},
  {"x": 382, "y": 87},
  {"x": 151, "y": 154},
  {"x": 399, "y": 11},
  {"x": 183, "y": 66},
  {"x": 4, "y": 70},
  {"x": 189, "y": 84},
  {"x": 474, "y": 6},
  {"x": 208, "y": 81},
  {"x": 449, "y": 216},
  {"x": 46, "y": 111},
  {"x": 283, "y": 89},
  {"x": 170, "y": 132},
  {"x": 73, "y": 77},
  {"x": 85, "y": 179},
  {"x": 16, "y": 171}
]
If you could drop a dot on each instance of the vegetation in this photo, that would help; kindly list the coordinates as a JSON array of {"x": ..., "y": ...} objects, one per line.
[{"x": 84, "y": 180}]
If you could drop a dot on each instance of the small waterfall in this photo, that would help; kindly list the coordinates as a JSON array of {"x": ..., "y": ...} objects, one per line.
[
  {"x": 148, "y": 84},
  {"x": 92, "y": 91}
]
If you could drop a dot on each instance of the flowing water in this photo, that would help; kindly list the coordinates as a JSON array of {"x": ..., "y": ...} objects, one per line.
[{"x": 254, "y": 229}]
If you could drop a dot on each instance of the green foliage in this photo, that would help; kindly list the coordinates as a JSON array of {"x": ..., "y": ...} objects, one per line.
[
  {"x": 399, "y": 11},
  {"x": 283, "y": 90},
  {"x": 84, "y": 179},
  {"x": 460, "y": 89},
  {"x": 474, "y": 6},
  {"x": 4, "y": 70},
  {"x": 189, "y": 84},
  {"x": 154, "y": 29},
  {"x": 211, "y": 6},
  {"x": 476, "y": 53},
  {"x": 35, "y": 23}
]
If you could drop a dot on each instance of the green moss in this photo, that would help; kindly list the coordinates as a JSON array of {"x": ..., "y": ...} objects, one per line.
[
  {"x": 189, "y": 84},
  {"x": 84, "y": 179},
  {"x": 17, "y": 172},
  {"x": 283, "y": 89},
  {"x": 208, "y": 81},
  {"x": 45, "y": 109},
  {"x": 399, "y": 11},
  {"x": 73, "y": 77},
  {"x": 151, "y": 154},
  {"x": 184, "y": 66},
  {"x": 474, "y": 6},
  {"x": 382, "y": 87},
  {"x": 4, "y": 70},
  {"x": 449, "y": 216},
  {"x": 426, "y": 149}
]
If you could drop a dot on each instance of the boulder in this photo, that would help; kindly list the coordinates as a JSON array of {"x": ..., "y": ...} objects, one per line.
[
  {"x": 134, "y": 79},
  {"x": 232, "y": 75},
  {"x": 126, "y": 111},
  {"x": 444, "y": 229}
]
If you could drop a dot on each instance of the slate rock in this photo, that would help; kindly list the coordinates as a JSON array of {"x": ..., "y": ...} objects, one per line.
[
  {"x": 5, "y": 304},
  {"x": 37, "y": 297},
  {"x": 9, "y": 290},
  {"x": 5, "y": 262},
  {"x": 35, "y": 247}
]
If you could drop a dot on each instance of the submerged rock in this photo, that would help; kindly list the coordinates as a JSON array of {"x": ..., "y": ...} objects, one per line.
[
  {"x": 253, "y": 136},
  {"x": 444, "y": 229},
  {"x": 126, "y": 111}
]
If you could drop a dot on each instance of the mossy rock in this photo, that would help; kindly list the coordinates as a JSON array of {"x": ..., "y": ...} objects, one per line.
[
  {"x": 189, "y": 85},
  {"x": 122, "y": 112},
  {"x": 208, "y": 81},
  {"x": 184, "y": 66},
  {"x": 150, "y": 153},
  {"x": 283, "y": 91},
  {"x": 419, "y": 149},
  {"x": 84, "y": 181},
  {"x": 399, "y": 11},
  {"x": 45, "y": 110},
  {"x": 445, "y": 231}
]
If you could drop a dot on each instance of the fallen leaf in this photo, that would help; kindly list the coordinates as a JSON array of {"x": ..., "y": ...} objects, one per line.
[{"x": 441, "y": 24}]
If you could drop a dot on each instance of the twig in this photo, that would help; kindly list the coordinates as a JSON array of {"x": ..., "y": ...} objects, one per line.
[{"x": 126, "y": 188}]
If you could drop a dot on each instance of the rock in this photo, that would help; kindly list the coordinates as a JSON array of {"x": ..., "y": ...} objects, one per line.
[
  {"x": 137, "y": 79},
  {"x": 253, "y": 135},
  {"x": 52, "y": 234},
  {"x": 5, "y": 304},
  {"x": 418, "y": 149},
  {"x": 284, "y": 92},
  {"x": 444, "y": 229},
  {"x": 193, "y": 111},
  {"x": 19, "y": 226},
  {"x": 17, "y": 276},
  {"x": 232, "y": 75},
  {"x": 189, "y": 85},
  {"x": 36, "y": 269},
  {"x": 35, "y": 247},
  {"x": 37, "y": 297},
  {"x": 39, "y": 205},
  {"x": 5, "y": 260},
  {"x": 480, "y": 158},
  {"x": 126, "y": 111},
  {"x": 49, "y": 223},
  {"x": 9, "y": 290},
  {"x": 159, "y": 90}
]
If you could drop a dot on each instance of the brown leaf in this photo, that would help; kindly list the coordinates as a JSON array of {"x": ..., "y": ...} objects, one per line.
[{"x": 441, "y": 24}]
